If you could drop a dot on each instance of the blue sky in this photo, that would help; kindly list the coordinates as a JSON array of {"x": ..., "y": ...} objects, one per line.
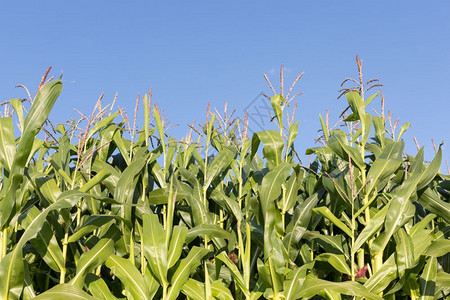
[{"x": 196, "y": 52}]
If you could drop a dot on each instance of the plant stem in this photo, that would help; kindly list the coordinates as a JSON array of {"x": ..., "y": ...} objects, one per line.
[
  {"x": 4, "y": 243},
  {"x": 377, "y": 262},
  {"x": 62, "y": 277},
  {"x": 165, "y": 285},
  {"x": 132, "y": 260},
  {"x": 352, "y": 253},
  {"x": 361, "y": 261},
  {"x": 274, "y": 281}
]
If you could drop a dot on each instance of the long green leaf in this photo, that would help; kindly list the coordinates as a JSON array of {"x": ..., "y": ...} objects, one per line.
[
  {"x": 326, "y": 213},
  {"x": 208, "y": 230},
  {"x": 39, "y": 111},
  {"x": 337, "y": 261},
  {"x": 273, "y": 146},
  {"x": 45, "y": 242},
  {"x": 98, "y": 287},
  {"x": 176, "y": 245},
  {"x": 237, "y": 276},
  {"x": 218, "y": 165},
  {"x": 130, "y": 277},
  {"x": 438, "y": 248},
  {"x": 65, "y": 291},
  {"x": 10, "y": 270},
  {"x": 184, "y": 269},
  {"x": 427, "y": 280},
  {"x": 155, "y": 246},
  {"x": 91, "y": 224},
  {"x": 313, "y": 286},
  {"x": 401, "y": 210},
  {"x": 7, "y": 143},
  {"x": 92, "y": 259},
  {"x": 295, "y": 279}
]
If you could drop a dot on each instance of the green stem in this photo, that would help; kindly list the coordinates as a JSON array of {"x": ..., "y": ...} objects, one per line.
[
  {"x": 62, "y": 277},
  {"x": 377, "y": 262},
  {"x": 274, "y": 281},
  {"x": 4, "y": 243},
  {"x": 165, "y": 285},
  {"x": 361, "y": 261},
  {"x": 353, "y": 225},
  {"x": 283, "y": 212},
  {"x": 352, "y": 253},
  {"x": 132, "y": 248}
]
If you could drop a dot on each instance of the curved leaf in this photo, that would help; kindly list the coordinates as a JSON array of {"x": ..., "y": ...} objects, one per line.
[{"x": 130, "y": 277}]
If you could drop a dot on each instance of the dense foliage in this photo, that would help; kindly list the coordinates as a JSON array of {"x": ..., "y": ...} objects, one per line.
[{"x": 110, "y": 212}]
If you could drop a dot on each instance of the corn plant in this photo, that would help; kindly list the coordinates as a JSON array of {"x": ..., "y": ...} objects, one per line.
[{"x": 97, "y": 208}]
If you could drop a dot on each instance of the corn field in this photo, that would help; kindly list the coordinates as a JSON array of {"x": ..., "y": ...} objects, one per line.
[{"x": 101, "y": 208}]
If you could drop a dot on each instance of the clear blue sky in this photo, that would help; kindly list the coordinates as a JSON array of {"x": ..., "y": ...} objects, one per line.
[{"x": 192, "y": 52}]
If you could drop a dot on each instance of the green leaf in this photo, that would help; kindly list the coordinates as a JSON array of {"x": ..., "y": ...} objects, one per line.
[
  {"x": 7, "y": 143},
  {"x": 401, "y": 210},
  {"x": 337, "y": 261},
  {"x": 227, "y": 203},
  {"x": 427, "y": 280},
  {"x": 184, "y": 269},
  {"x": 218, "y": 165},
  {"x": 442, "y": 284},
  {"x": 326, "y": 213},
  {"x": 330, "y": 243},
  {"x": 237, "y": 276},
  {"x": 98, "y": 287},
  {"x": 356, "y": 103},
  {"x": 292, "y": 187},
  {"x": 155, "y": 246},
  {"x": 385, "y": 165},
  {"x": 194, "y": 290},
  {"x": 438, "y": 248},
  {"x": 369, "y": 100},
  {"x": 275, "y": 101},
  {"x": 45, "y": 242},
  {"x": 11, "y": 268},
  {"x": 383, "y": 277},
  {"x": 431, "y": 201},
  {"x": 313, "y": 286},
  {"x": 297, "y": 227},
  {"x": 403, "y": 130},
  {"x": 67, "y": 291},
  {"x": 405, "y": 250},
  {"x": 12, "y": 275},
  {"x": 371, "y": 228},
  {"x": 219, "y": 291},
  {"x": 273, "y": 146},
  {"x": 159, "y": 126},
  {"x": 130, "y": 277},
  {"x": 16, "y": 103},
  {"x": 380, "y": 131},
  {"x": 295, "y": 279},
  {"x": 161, "y": 196},
  {"x": 125, "y": 188},
  {"x": 94, "y": 181},
  {"x": 101, "y": 124},
  {"x": 92, "y": 259},
  {"x": 293, "y": 132},
  {"x": 208, "y": 230},
  {"x": 39, "y": 111},
  {"x": 430, "y": 172},
  {"x": 270, "y": 191},
  {"x": 176, "y": 244},
  {"x": 338, "y": 144},
  {"x": 324, "y": 128},
  {"x": 92, "y": 223}
]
